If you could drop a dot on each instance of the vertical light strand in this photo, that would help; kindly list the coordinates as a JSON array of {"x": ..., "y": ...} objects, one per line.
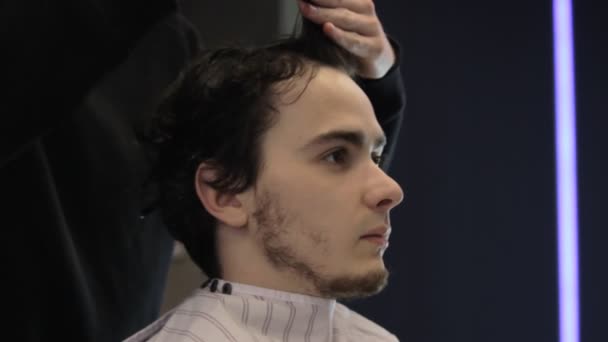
[{"x": 567, "y": 194}]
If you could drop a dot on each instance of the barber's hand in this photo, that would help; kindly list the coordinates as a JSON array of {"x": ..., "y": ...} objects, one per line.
[{"x": 354, "y": 25}]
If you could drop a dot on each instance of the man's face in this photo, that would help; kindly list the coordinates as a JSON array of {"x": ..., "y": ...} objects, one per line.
[{"x": 322, "y": 203}]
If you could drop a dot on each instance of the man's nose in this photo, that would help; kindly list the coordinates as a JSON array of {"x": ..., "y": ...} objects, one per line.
[{"x": 384, "y": 193}]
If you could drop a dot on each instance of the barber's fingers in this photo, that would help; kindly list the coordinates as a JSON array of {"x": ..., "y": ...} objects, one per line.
[
  {"x": 358, "y": 45},
  {"x": 345, "y": 19},
  {"x": 354, "y": 25},
  {"x": 359, "y": 6}
]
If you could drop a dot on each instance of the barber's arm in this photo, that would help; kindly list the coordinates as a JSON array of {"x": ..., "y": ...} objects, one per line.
[
  {"x": 54, "y": 52},
  {"x": 354, "y": 25}
]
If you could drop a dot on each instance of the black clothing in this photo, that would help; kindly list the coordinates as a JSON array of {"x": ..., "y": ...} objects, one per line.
[
  {"x": 83, "y": 263},
  {"x": 387, "y": 96}
]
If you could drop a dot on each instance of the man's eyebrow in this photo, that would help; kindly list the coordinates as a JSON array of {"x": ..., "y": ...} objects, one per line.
[{"x": 356, "y": 138}]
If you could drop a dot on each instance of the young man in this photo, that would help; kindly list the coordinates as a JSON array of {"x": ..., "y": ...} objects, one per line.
[{"x": 270, "y": 174}]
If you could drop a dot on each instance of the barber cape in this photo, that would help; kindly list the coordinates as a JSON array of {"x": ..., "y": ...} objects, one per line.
[{"x": 231, "y": 312}]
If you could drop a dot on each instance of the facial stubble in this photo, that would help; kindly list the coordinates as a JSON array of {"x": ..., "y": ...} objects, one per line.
[{"x": 272, "y": 221}]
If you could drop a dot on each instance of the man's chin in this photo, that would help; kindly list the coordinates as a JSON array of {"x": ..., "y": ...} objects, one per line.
[{"x": 354, "y": 287}]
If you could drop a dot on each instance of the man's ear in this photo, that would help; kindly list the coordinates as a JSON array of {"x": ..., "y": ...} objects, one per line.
[{"x": 226, "y": 208}]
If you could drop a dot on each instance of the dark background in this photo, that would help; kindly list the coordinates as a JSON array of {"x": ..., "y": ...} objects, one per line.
[
  {"x": 473, "y": 252},
  {"x": 474, "y": 246}
]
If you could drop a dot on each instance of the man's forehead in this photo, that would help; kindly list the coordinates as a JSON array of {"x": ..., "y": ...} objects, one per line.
[{"x": 328, "y": 102}]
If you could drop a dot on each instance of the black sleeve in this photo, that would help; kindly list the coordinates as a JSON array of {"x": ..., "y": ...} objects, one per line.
[
  {"x": 387, "y": 96},
  {"x": 53, "y": 52}
]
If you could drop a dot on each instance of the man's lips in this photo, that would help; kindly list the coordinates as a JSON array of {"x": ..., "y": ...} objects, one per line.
[{"x": 378, "y": 235}]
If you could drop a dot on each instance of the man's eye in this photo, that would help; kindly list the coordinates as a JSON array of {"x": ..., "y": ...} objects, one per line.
[
  {"x": 337, "y": 156},
  {"x": 377, "y": 158}
]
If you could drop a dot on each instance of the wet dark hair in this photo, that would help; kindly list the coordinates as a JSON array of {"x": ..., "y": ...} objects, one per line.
[{"x": 217, "y": 112}]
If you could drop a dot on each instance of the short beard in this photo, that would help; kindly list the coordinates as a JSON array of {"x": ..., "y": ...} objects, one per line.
[
  {"x": 271, "y": 219},
  {"x": 353, "y": 287}
]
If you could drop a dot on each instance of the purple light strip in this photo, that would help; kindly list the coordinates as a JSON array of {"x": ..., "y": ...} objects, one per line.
[{"x": 567, "y": 197}]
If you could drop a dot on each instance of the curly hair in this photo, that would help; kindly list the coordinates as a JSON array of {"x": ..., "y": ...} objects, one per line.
[{"x": 217, "y": 112}]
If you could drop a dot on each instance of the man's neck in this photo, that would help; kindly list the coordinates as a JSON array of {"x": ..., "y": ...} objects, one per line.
[{"x": 243, "y": 262}]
